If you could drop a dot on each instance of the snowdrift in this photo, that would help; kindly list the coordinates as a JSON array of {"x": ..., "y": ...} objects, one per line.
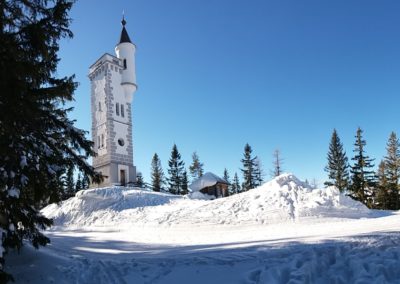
[{"x": 284, "y": 199}]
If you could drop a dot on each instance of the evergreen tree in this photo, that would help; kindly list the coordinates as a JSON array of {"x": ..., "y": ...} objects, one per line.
[
  {"x": 85, "y": 181},
  {"x": 338, "y": 167},
  {"x": 235, "y": 184},
  {"x": 184, "y": 188},
  {"x": 78, "y": 184},
  {"x": 363, "y": 177},
  {"x": 392, "y": 170},
  {"x": 382, "y": 197},
  {"x": 196, "y": 168},
  {"x": 157, "y": 174},
  {"x": 248, "y": 170},
  {"x": 139, "y": 180},
  {"x": 38, "y": 140},
  {"x": 69, "y": 183},
  {"x": 175, "y": 171}
]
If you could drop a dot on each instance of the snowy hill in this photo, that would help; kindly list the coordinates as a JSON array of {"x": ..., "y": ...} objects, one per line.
[
  {"x": 281, "y": 232},
  {"x": 283, "y": 199}
]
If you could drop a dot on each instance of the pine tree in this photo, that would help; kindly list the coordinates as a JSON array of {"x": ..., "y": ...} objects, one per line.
[
  {"x": 248, "y": 170},
  {"x": 69, "y": 183},
  {"x": 175, "y": 171},
  {"x": 363, "y": 177},
  {"x": 277, "y": 163},
  {"x": 196, "y": 168},
  {"x": 38, "y": 140},
  {"x": 392, "y": 170},
  {"x": 184, "y": 188},
  {"x": 157, "y": 174},
  {"x": 139, "y": 180},
  {"x": 235, "y": 184},
  {"x": 78, "y": 184},
  {"x": 85, "y": 181},
  {"x": 382, "y": 197},
  {"x": 338, "y": 167}
]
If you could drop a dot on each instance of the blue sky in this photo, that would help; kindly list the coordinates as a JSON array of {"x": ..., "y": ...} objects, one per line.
[{"x": 214, "y": 75}]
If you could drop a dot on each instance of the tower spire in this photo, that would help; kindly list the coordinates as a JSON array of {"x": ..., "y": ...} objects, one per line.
[{"x": 124, "y": 34}]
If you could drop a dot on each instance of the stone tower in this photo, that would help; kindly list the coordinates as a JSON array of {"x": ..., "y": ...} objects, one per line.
[{"x": 113, "y": 83}]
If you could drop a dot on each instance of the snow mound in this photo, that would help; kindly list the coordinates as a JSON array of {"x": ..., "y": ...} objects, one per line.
[{"x": 284, "y": 199}]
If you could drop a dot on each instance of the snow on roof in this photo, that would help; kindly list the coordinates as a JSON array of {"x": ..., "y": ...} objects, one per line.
[{"x": 208, "y": 179}]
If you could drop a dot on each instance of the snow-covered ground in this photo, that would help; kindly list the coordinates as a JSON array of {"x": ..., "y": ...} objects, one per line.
[{"x": 281, "y": 232}]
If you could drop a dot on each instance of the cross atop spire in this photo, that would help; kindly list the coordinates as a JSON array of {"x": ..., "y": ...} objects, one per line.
[{"x": 124, "y": 34}]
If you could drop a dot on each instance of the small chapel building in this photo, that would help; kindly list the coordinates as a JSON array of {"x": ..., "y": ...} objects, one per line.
[{"x": 113, "y": 83}]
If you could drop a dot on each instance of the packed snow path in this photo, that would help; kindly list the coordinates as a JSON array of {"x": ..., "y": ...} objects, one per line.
[{"x": 282, "y": 232}]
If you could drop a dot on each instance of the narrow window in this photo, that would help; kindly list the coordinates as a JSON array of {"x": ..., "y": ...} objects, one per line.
[
  {"x": 124, "y": 63},
  {"x": 102, "y": 140},
  {"x": 122, "y": 110},
  {"x": 117, "y": 108},
  {"x": 98, "y": 142},
  {"x": 99, "y": 106}
]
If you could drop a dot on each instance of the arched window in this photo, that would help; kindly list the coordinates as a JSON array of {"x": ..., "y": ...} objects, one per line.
[
  {"x": 117, "y": 108},
  {"x": 124, "y": 63}
]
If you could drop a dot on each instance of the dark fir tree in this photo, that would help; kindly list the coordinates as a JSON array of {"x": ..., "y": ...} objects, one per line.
[
  {"x": 175, "y": 171},
  {"x": 235, "y": 185},
  {"x": 139, "y": 180},
  {"x": 196, "y": 168},
  {"x": 38, "y": 140},
  {"x": 185, "y": 187},
  {"x": 392, "y": 170},
  {"x": 78, "y": 184},
  {"x": 249, "y": 169},
  {"x": 338, "y": 167},
  {"x": 85, "y": 181},
  {"x": 157, "y": 174},
  {"x": 363, "y": 177},
  {"x": 69, "y": 183},
  {"x": 382, "y": 197}
]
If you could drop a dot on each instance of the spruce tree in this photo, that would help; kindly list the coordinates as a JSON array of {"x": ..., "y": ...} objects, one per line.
[
  {"x": 235, "y": 184},
  {"x": 69, "y": 183},
  {"x": 338, "y": 167},
  {"x": 139, "y": 180},
  {"x": 382, "y": 197},
  {"x": 363, "y": 177},
  {"x": 185, "y": 187},
  {"x": 38, "y": 140},
  {"x": 78, "y": 184},
  {"x": 196, "y": 168},
  {"x": 249, "y": 169},
  {"x": 392, "y": 170},
  {"x": 157, "y": 174},
  {"x": 85, "y": 181},
  {"x": 175, "y": 171}
]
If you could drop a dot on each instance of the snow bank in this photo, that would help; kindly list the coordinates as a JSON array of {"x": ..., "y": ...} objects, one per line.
[{"x": 284, "y": 199}]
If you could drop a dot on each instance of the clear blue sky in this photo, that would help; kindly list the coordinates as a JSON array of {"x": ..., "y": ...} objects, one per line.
[{"x": 214, "y": 75}]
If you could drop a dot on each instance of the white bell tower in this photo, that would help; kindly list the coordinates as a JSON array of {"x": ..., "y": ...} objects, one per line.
[{"x": 113, "y": 83}]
